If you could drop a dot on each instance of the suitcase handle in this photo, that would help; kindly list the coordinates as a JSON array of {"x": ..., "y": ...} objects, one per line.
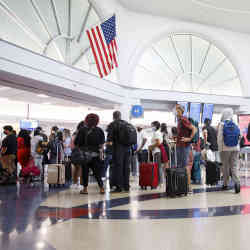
[
  {"x": 170, "y": 155},
  {"x": 149, "y": 158}
]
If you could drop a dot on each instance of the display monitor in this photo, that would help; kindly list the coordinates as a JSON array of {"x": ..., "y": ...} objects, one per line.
[
  {"x": 208, "y": 110},
  {"x": 185, "y": 105},
  {"x": 195, "y": 111},
  {"x": 28, "y": 124}
]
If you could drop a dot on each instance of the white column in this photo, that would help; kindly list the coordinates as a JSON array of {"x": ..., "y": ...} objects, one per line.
[
  {"x": 125, "y": 111},
  {"x": 125, "y": 108}
]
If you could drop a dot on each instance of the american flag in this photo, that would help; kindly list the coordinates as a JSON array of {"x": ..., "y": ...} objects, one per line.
[{"x": 103, "y": 45}]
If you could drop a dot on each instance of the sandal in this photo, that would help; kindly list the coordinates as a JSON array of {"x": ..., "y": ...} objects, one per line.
[
  {"x": 102, "y": 191},
  {"x": 84, "y": 191}
]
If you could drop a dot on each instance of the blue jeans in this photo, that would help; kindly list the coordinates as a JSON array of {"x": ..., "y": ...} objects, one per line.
[{"x": 182, "y": 156}]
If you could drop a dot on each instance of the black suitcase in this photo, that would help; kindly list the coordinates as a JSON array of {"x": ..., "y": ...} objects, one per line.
[
  {"x": 176, "y": 182},
  {"x": 176, "y": 178},
  {"x": 212, "y": 173}
]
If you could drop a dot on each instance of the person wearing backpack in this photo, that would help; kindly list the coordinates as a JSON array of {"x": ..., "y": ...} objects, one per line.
[
  {"x": 121, "y": 135},
  {"x": 228, "y": 144}
]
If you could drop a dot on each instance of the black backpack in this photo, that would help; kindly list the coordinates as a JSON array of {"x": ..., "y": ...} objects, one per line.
[
  {"x": 127, "y": 134},
  {"x": 212, "y": 138}
]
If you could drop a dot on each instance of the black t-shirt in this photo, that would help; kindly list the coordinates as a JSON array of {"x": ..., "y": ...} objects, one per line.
[
  {"x": 10, "y": 142},
  {"x": 212, "y": 137},
  {"x": 90, "y": 138}
]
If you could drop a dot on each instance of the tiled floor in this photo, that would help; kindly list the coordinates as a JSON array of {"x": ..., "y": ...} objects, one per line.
[{"x": 140, "y": 220}]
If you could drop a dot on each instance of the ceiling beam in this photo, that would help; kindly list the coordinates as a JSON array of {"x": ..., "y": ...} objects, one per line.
[
  {"x": 164, "y": 61},
  {"x": 205, "y": 57},
  {"x": 53, "y": 6},
  {"x": 176, "y": 53},
  {"x": 78, "y": 58},
  {"x": 84, "y": 23},
  {"x": 12, "y": 15},
  {"x": 44, "y": 25},
  {"x": 68, "y": 42},
  {"x": 212, "y": 72}
]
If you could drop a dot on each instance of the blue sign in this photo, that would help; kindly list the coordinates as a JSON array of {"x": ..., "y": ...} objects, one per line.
[
  {"x": 137, "y": 111},
  {"x": 195, "y": 111},
  {"x": 207, "y": 112}
]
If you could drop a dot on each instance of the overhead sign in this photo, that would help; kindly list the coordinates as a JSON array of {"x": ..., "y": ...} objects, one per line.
[{"x": 137, "y": 111}]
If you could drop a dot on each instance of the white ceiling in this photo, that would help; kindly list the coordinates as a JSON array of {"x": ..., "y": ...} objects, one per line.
[{"x": 229, "y": 14}]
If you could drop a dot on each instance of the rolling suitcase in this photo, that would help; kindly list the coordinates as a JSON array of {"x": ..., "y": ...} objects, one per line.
[
  {"x": 56, "y": 173},
  {"x": 148, "y": 175},
  {"x": 212, "y": 173},
  {"x": 176, "y": 179}
]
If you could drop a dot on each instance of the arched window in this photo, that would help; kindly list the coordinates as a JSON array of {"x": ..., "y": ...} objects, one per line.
[{"x": 187, "y": 63}]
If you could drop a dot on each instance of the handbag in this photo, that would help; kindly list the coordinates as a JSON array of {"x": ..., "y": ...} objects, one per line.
[
  {"x": 80, "y": 156},
  {"x": 210, "y": 155}
]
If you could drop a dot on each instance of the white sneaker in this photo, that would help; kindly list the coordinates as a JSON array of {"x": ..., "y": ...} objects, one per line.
[{"x": 73, "y": 186}]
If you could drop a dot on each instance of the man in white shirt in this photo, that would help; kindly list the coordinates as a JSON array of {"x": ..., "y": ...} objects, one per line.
[
  {"x": 154, "y": 148},
  {"x": 142, "y": 145}
]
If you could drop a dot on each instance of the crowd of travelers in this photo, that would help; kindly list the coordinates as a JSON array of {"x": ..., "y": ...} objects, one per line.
[{"x": 117, "y": 152}]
